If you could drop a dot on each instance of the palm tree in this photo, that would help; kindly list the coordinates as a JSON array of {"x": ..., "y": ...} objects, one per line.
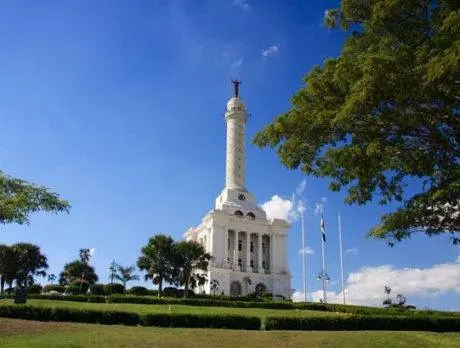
[
  {"x": 125, "y": 274},
  {"x": 191, "y": 259},
  {"x": 85, "y": 255},
  {"x": 401, "y": 299},
  {"x": 31, "y": 262},
  {"x": 214, "y": 285},
  {"x": 8, "y": 266},
  {"x": 51, "y": 278},
  {"x": 246, "y": 283},
  {"x": 73, "y": 272},
  {"x": 157, "y": 260}
]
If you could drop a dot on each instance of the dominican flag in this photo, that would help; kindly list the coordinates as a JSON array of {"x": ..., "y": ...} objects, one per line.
[{"x": 323, "y": 230}]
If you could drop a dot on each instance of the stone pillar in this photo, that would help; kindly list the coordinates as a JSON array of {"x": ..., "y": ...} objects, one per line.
[
  {"x": 235, "y": 251},
  {"x": 224, "y": 261},
  {"x": 271, "y": 255},
  {"x": 248, "y": 252},
  {"x": 259, "y": 253}
]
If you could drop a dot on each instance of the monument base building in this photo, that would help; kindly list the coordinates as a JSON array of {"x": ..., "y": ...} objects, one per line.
[{"x": 248, "y": 251}]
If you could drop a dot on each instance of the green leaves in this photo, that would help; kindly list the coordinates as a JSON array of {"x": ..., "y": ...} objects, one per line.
[
  {"x": 383, "y": 113},
  {"x": 18, "y": 199}
]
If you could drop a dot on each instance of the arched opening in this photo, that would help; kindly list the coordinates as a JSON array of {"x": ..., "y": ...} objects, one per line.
[
  {"x": 260, "y": 288},
  {"x": 251, "y": 215},
  {"x": 238, "y": 213},
  {"x": 235, "y": 289}
]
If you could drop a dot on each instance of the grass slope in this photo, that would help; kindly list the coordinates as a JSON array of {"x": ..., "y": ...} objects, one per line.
[
  {"x": 144, "y": 309},
  {"x": 23, "y": 333}
]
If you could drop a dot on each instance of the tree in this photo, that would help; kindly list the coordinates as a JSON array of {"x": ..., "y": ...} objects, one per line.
[
  {"x": 157, "y": 260},
  {"x": 76, "y": 271},
  {"x": 387, "y": 291},
  {"x": 384, "y": 113},
  {"x": 125, "y": 274},
  {"x": 401, "y": 300},
  {"x": 214, "y": 286},
  {"x": 85, "y": 256},
  {"x": 30, "y": 263},
  {"x": 19, "y": 198},
  {"x": 191, "y": 261},
  {"x": 51, "y": 278},
  {"x": 246, "y": 283},
  {"x": 8, "y": 266}
]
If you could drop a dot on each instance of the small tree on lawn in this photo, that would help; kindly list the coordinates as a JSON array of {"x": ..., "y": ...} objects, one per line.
[{"x": 214, "y": 285}]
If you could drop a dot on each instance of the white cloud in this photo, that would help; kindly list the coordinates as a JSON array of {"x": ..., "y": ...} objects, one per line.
[
  {"x": 365, "y": 286},
  {"x": 236, "y": 63},
  {"x": 242, "y": 4},
  {"x": 458, "y": 259},
  {"x": 307, "y": 250},
  {"x": 301, "y": 188},
  {"x": 279, "y": 208},
  {"x": 352, "y": 251},
  {"x": 92, "y": 251},
  {"x": 269, "y": 51},
  {"x": 320, "y": 205}
]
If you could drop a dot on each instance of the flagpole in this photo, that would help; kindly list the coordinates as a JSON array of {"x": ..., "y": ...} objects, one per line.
[
  {"x": 341, "y": 256},
  {"x": 324, "y": 259},
  {"x": 304, "y": 267}
]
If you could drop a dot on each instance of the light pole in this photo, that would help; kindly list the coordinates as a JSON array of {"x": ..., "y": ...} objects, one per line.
[
  {"x": 324, "y": 277},
  {"x": 113, "y": 269}
]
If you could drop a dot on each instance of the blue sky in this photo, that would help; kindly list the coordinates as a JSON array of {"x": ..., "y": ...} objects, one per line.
[{"x": 118, "y": 106}]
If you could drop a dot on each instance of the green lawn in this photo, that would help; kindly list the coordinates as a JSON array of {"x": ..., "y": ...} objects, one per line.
[
  {"x": 24, "y": 333},
  {"x": 148, "y": 308}
]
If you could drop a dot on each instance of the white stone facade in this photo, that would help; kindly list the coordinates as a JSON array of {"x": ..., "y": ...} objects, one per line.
[{"x": 242, "y": 242}]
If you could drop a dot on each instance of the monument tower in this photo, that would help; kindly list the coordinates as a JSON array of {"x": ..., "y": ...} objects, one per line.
[{"x": 242, "y": 242}]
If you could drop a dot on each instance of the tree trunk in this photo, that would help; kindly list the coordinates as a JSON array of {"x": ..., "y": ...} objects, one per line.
[
  {"x": 186, "y": 288},
  {"x": 2, "y": 285},
  {"x": 160, "y": 287}
]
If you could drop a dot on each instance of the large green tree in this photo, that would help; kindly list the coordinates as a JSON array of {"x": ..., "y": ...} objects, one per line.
[
  {"x": 31, "y": 263},
  {"x": 384, "y": 114},
  {"x": 76, "y": 271},
  {"x": 8, "y": 266},
  {"x": 191, "y": 264},
  {"x": 19, "y": 198},
  {"x": 157, "y": 260}
]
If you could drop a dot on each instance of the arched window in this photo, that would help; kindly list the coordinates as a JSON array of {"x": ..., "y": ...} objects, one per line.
[
  {"x": 251, "y": 215},
  {"x": 260, "y": 288},
  {"x": 238, "y": 213}
]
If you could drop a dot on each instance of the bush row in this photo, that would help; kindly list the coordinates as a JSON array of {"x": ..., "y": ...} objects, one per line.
[
  {"x": 199, "y": 302},
  {"x": 370, "y": 322},
  {"x": 363, "y": 310},
  {"x": 128, "y": 318}
]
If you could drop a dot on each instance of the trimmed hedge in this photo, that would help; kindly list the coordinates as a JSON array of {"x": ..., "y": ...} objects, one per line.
[
  {"x": 68, "y": 315},
  {"x": 54, "y": 287},
  {"x": 96, "y": 289},
  {"x": 114, "y": 288},
  {"x": 201, "y": 321},
  {"x": 73, "y": 298},
  {"x": 34, "y": 289},
  {"x": 363, "y": 310},
  {"x": 138, "y": 291},
  {"x": 371, "y": 322},
  {"x": 199, "y": 302},
  {"x": 132, "y": 319}
]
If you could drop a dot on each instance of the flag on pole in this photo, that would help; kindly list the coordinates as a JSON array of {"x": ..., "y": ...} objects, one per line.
[{"x": 323, "y": 231}]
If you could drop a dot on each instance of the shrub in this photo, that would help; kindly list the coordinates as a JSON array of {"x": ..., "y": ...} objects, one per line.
[
  {"x": 34, "y": 289},
  {"x": 153, "y": 292},
  {"x": 190, "y": 293},
  {"x": 138, "y": 291},
  {"x": 201, "y": 321},
  {"x": 82, "y": 285},
  {"x": 54, "y": 287},
  {"x": 72, "y": 290},
  {"x": 68, "y": 315},
  {"x": 115, "y": 288},
  {"x": 170, "y": 292},
  {"x": 127, "y": 318},
  {"x": 96, "y": 289},
  {"x": 371, "y": 322}
]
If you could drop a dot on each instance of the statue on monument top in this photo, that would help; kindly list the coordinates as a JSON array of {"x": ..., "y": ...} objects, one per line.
[{"x": 236, "y": 85}]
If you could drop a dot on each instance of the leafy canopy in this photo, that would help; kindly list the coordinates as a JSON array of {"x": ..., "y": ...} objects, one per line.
[
  {"x": 19, "y": 198},
  {"x": 383, "y": 114}
]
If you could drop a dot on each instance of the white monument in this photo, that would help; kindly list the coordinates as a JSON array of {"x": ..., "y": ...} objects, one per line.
[{"x": 249, "y": 252}]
